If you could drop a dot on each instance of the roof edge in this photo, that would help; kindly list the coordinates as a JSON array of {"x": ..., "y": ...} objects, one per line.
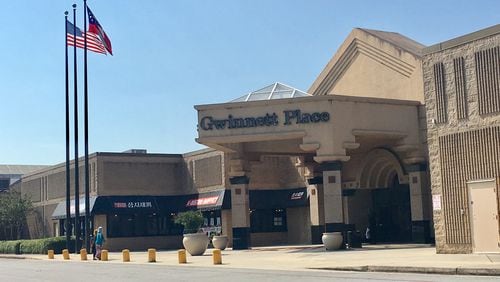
[{"x": 457, "y": 41}]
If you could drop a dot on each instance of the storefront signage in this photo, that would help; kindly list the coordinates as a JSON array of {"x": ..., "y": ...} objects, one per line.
[
  {"x": 132, "y": 205},
  {"x": 289, "y": 117},
  {"x": 202, "y": 201},
  {"x": 297, "y": 195}
]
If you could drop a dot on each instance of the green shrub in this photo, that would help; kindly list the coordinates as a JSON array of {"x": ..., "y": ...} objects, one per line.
[
  {"x": 35, "y": 246},
  {"x": 191, "y": 220},
  {"x": 10, "y": 247}
]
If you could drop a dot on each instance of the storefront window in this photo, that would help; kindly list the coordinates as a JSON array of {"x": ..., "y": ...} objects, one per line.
[
  {"x": 137, "y": 225},
  {"x": 212, "y": 222},
  {"x": 268, "y": 220}
]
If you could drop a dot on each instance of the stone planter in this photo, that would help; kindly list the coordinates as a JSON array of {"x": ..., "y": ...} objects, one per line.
[
  {"x": 332, "y": 240},
  {"x": 220, "y": 242},
  {"x": 196, "y": 243}
]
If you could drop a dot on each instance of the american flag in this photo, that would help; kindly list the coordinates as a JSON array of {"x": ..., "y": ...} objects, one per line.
[{"x": 93, "y": 42}]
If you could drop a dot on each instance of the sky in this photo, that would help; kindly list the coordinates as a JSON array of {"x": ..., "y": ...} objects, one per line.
[{"x": 170, "y": 55}]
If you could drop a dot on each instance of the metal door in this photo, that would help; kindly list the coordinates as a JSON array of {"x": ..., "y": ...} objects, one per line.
[{"x": 484, "y": 216}]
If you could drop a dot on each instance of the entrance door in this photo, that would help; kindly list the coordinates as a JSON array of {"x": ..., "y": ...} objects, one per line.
[
  {"x": 391, "y": 221},
  {"x": 484, "y": 216}
]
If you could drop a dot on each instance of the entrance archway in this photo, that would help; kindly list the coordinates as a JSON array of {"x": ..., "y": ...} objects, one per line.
[{"x": 385, "y": 191}]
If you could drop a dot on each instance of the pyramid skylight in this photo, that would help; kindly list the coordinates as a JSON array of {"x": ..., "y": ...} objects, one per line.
[{"x": 274, "y": 91}]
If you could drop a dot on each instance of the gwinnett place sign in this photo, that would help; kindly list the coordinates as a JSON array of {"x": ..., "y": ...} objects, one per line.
[{"x": 289, "y": 117}]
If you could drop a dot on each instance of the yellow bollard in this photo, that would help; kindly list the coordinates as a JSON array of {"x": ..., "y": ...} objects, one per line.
[
  {"x": 151, "y": 255},
  {"x": 83, "y": 254},
  {"x": 50, "y": 253},
  {"x": 182, "y": 256},
  {"x": 65, "y": 254},
  {"x": 217, "y": 256},
  {"x": 126, "y": 255},
  {"x": 104, "y": 255}
]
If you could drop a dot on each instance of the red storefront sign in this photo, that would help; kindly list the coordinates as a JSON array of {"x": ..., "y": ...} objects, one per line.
[{"x": 202, "y": 201}]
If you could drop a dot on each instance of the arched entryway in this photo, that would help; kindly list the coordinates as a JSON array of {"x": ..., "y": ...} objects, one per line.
[
  {"x": 384, "y": 194},
  {"x": 390, "y": 218}
]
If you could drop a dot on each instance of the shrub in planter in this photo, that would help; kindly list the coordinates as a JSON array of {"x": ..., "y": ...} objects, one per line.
[
  {"x": 195, "y": 243},
  {"x": 191, "y": 220}
]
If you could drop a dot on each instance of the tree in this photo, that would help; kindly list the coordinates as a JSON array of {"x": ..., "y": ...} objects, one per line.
[{"x": 14, "y": 208}]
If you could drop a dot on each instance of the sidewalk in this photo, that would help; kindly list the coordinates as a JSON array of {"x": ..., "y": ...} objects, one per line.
[{"x": 383, "y": 258}]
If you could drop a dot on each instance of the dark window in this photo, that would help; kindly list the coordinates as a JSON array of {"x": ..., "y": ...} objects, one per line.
[
  {"x": 268, "y": 220},
  {"x": 137, "y": 225},
  {"x": 4, "y": 184}
]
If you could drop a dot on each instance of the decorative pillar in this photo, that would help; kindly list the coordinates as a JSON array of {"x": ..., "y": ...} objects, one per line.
[
  {"x": 325, "y": 199},
  {"x": 240, "y": 212},
  {"x": 420, "y": 198},
  {"x": 316, "y": 209},
  {"x": 332, "y": 196}
]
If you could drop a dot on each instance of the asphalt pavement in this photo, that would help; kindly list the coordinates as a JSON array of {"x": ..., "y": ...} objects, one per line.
[{"x": 408, "y": 258}]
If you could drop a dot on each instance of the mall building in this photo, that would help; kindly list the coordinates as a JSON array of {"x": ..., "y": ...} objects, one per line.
[
  {"x": 462, "y": 97},
  {"x": 284, "y": 165}
]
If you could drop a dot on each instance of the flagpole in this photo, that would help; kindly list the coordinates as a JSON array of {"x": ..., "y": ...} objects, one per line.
[
  {"x": 86, "y": 130},
  {"x": 68, "y": 193},
  {"x": 77, "y": 176}
]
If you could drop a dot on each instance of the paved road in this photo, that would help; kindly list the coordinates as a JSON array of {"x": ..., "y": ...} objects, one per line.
[{"x": 36, "y": 270}]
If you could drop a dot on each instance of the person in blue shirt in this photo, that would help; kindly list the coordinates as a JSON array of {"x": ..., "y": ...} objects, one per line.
[{"x": 99, "y": 241}]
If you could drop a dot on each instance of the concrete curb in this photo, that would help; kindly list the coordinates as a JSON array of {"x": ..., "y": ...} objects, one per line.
[
  {"x": 413, "y": 269},
  {"x": 14, "y": 257}
]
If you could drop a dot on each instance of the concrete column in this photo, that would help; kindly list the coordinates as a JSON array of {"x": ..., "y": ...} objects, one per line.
[
  {"x": 240, "y": 212},
  {"x": 332, "y": 194},
  {"x": 420, "y": 198},
  {"x": 316, "y": 209}
]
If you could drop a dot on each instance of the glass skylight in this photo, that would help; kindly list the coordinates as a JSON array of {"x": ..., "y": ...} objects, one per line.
[{"x": 274, "y": 91}]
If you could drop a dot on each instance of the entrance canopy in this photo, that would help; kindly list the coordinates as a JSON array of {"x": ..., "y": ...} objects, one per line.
[
  {"x": 326, "y": 127},
  {"x": 60, "y": 211}
]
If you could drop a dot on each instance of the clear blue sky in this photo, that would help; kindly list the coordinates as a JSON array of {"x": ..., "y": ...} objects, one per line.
[{"x": 171, "y": 55}]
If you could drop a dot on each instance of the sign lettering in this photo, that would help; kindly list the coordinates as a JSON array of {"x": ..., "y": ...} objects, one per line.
[
  {"x": 290, "y": 117},
  {"x": 202, "y": 201},
  {"x": 132, "y": 205},
  {"x": 297, "y": 195}
]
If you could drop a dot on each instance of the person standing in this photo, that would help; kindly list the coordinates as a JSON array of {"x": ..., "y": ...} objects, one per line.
[
  {"x": 99, "y": 241},
  {"x": 92, "y": 244}
]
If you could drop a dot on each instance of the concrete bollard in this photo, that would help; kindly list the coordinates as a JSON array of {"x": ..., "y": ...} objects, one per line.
[
  {"x": 182, "y": 256},
  {"x": 104, "y": 255},
  {"x": 217, "y": 256},
  {"x": 83, "y": 254},
  {"x": 151, "y": 255},
  {"x": 65, "y": 254},
  {"x": 50, "y": 253},
  {"x": 126, "y": 255}
]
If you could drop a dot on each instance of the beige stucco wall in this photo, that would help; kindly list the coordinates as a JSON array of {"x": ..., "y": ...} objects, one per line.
[
  {"x": 368, "y": 66},
  {"x": 349, "y": 117}
]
